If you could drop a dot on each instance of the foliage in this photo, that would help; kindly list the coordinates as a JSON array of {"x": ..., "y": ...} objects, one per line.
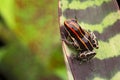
[
  {"x": 102, "y": 17},
  {"x": 32, "y": 49}
]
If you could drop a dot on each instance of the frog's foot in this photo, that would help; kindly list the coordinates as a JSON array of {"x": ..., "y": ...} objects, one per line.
[
  {"x": 90, "y": 55},
  {"x": 94, "y": 40},
  {"x": 86, "y": 56}
]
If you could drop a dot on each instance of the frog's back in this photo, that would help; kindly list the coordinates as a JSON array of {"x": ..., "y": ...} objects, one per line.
[{"x": 80, "y": 35}]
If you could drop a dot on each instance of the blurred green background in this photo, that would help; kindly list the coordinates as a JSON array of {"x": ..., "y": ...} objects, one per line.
[{"x": 30, "y": 45}]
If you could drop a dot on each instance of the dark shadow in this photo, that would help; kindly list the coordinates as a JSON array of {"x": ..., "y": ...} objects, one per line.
[
  {"x": 2, "y": 42},
  {"x": 2, "y": 76},
  {"x": 62, "y": 30},
  {"x": 6, "y": 73},
  {"x": 118, "y": 1},
  {"x": 2, "y": 21},
  {"x": 91, "y": 15}
]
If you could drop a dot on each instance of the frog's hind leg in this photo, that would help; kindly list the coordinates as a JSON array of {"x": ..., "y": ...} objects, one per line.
[{"x": 90, "y": 55}]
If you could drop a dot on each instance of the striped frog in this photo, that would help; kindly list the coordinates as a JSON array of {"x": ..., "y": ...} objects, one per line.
[{"x": 82, "y": 40}]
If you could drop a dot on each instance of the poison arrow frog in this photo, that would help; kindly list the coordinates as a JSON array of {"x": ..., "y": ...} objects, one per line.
[{"x": 82, "y": 40}]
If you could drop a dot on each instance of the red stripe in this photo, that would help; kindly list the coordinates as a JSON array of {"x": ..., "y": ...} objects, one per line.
[
  {"x": 77, "y": 36},
  {"x": 82, "y": 33}
]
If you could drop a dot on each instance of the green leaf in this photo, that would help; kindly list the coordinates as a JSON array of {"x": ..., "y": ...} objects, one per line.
[{"x": 103, "y": 18}]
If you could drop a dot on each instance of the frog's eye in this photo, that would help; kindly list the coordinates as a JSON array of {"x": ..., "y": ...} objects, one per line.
[{"x": 74, "y": 20}]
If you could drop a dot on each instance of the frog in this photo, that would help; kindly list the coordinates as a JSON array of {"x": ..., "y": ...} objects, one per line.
[{"x": 82, "y": 40}]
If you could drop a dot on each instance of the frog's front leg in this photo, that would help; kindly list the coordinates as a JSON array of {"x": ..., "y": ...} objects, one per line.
[
  {"x": 94, "y": 40},
  {"x": 70, "y": 41}
]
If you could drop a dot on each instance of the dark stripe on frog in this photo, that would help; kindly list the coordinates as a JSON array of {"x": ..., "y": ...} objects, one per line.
[
  {"x": 69, "y": 35},
  {"x": 78, "y": 27},
  {"x": 72, "y": 39},
  {"x": 85, "y": 37},
  {"x": 73, "y": 33},
  {"x": 83, "y": 32}
]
